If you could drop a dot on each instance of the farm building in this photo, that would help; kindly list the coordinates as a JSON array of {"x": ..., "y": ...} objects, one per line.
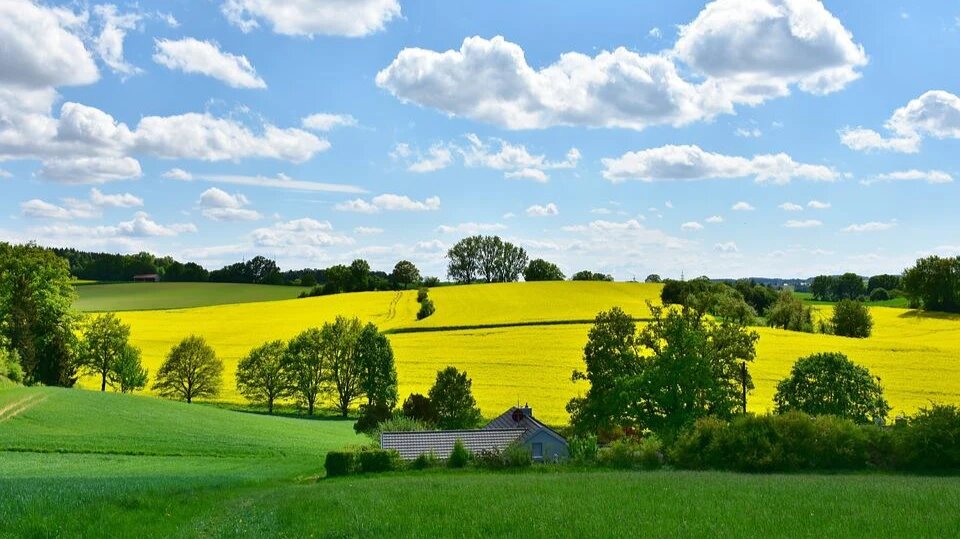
[
  {"x": 515, "y": 425},
  {"x": 147, "y": 278}
]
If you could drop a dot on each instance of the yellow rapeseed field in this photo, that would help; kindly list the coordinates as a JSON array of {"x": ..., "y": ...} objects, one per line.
[{"x": 916, "y": 356}]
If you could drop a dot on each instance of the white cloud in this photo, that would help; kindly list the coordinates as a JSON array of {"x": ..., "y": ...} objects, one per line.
[
  {"x": 367, "y": 230},
  {"x": 655, "y": 33},
  {"x": 90, "y": 169},
  {"x": 281, "y": 181},
  {"x": 690, "y": 162},
  {"x": 726, "y": 247},
  {"x": 205, "y": 58},
  {"x": 913, "y": 175},
  {"x": 120, "y": 200},
  {"x": 389, "y": 202},
  {"x": 691, "y": 226},
  {"x": 353, "y": 18},
  {"x": 471, "y": 228},
  {"x": 5, "y": 173},
  {"x": 299, "y": 233},
  {"x": 715, "y": 219},
  {"x": 437, "y": 158},
  {"x": 818, "y": 205},
  {"x": 219, "y": 205},
  {"x": 739, "y": 53},
  {"x": 40, "y": 209},
  {"x": 744, "y": 132},
  {"x": 808, "y": 223},
  {"x": 543, "y": 211},
  {"x": 935, "y": 113},
  {"x": 109, "y": 44},
  {"x": 327, "y": 122},
  {"x": 742, "y": 206},
  {"x": 40, "y": 47},
  {"x": 141, "y": 226},
  {"x": 790, "y": 206},
  {"x": 873, "y": 226}
]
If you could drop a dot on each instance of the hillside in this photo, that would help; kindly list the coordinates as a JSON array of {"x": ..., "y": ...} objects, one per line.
[
  {"x": 485, "y": 330},
  {"x": 148, "y": 296}
]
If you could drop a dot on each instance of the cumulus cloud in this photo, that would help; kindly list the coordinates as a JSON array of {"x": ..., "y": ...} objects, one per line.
[
  {"x": 438, "y": 157},
  {"x": 178, "y": 174},
  {"x": 913, "y": 175},
  {"x": 219, "y": 205},
  {"x": 299, "y": 233},
  {"x": 742, "y": 206},
  {"x": 141, "y": 226},
  {"x": 691, "y": 226},
  {"x": 547, "y": 210},
  {"x": 935, "y": 113},
  {"x": 389, "y": 202},
  {"x": 109, "y": 43},
  {"x": 725, "y": 247},
  {"x": 690, "y": 162},
  {"x": 327, "y": 122},
  {"x": 205, "y": 58},
  {"x": 74, "y": 208},
  {"x": 808, "y": 223},
  {"x": 40, "y": 209},
  {"x": 737, "y": 53},
  {"x": 715, "y": 219},
  {"x": 354, "y": 18},
  {"x": 119, "y": 200},
  {"x": 818, "y": 205},
  {"x": 471, "y": 228},
  {"x": 872, "y": 226},
  {"x": 790, "y": 206},
  {"x": 90, "y": 169},
  {"x": 367, "y": 230}
]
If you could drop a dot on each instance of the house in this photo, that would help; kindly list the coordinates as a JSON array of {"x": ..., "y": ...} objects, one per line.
[
  {"x": 147, "y": 278},
  {"x": 516, "y": 425}
]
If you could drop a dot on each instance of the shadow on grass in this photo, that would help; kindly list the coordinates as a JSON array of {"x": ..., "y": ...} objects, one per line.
[
  {"x": 933, "y": 315},
  {"x": 291, "y": 412}
]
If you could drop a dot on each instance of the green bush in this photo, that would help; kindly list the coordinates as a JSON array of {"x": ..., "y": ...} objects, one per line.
[
  {"x": 629, "y": 453},
  {"x": 424, "y": 461},
  {"x": 460, "y": 456},
  {"x": 398, "y": 423},
  {"x": 339, "y": 463},
  {"x": 852, "y": 319},
  {"x": 514, "y": 455},
  {"x": 371, "y": 416},
  {"x": 879, "y": 294},
  {"x": 583, "y": 449},
  {"x": 422, "y": 294},
  {"x": 426, "y": 309},
  {"x": 930, "y": 440},
  {"x": 10, "y": 365},
  {"x": 378, "y": 460}
]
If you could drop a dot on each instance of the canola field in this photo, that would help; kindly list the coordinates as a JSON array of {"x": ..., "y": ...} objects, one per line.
[{"x": 916, "y": 355}]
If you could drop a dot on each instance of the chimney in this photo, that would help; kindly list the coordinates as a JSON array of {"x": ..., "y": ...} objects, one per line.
[{"x": 527, "y": 411}]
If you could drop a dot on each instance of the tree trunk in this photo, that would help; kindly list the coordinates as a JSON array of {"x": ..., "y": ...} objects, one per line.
[
  {"x": 310, "y": 408},
  {"x": 103, "y": 383},
  {"x": 270, "y": 406}
]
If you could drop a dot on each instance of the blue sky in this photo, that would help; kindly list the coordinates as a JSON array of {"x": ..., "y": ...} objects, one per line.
[{"x": 733, "y": 138}]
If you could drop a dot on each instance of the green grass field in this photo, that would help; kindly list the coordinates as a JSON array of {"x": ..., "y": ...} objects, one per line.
[
  {"x": 897, "y": 303},
  {"x": 150, "y": 296},
  {"x": 84, "y": 464}
]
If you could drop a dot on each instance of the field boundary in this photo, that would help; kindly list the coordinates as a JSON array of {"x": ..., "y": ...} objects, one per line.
[{"x": 431, "y": 329}]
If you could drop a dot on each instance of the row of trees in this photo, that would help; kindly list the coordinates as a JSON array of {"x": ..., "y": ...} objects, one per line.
[
  {"x": 489, "y": 259},
  {"x": 934, "y": 284},
  {"x": 684, "y": 366},
  {"x": 118, "y": 267}
]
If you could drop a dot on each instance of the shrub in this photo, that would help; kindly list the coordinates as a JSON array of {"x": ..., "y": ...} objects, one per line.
[
  {"x": 930, "y": 440},
  {"x": 514, "y": 455},
  {"x": 790, "y": 313},
  {"x": 426, "y": 309},
  {"x": 831, "y": 384},
  {"x": 10, "y": 365},
  {"x": 422, "y": 294},
  {"x": 339, "y": 463},
  {"x": 628, "y": 453},
  {"x": 424, "y": 461},
  {"x": 378, "y": 460},
  {"x": 431, "y": 282},
  {"x": 398, "y": 423},
  {"x": 460, "y": 456},
  {"x": 371, "y": 416},
  {"x": 583, "y": 449},
  {"x": 419, "y": 407},
  {"x": 852, "y": 319},
  {"x": 879, "y": 294}
]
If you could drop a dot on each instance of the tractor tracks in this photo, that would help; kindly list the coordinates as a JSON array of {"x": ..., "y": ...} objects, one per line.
[{"x": 16, "y": 408}]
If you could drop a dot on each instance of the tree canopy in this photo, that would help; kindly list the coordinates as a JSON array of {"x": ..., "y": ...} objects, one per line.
[
  {"x": 831, "y": 384},
  {"x": 261, "y": 376},
  {"x": 452, "y": 399},
  {"x": 851, "y": 319},
  {"x": 191, "y": 370},
  {"x": 541, "y": 270},
  {"x": 934, "y": 284},
  {"x": 486, "y": 259},
  {"x": 105, "y": 342},
  {"x": 405, "y": 274}
]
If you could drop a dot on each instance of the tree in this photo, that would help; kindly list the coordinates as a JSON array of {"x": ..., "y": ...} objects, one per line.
[
  {"x": 690, "y": 367},
  {"x": 790, "y": 313},
  {"x": 338, "y": 279},
  {"x": 105, "y": 341},
  {"x": 306, "y": 365},
  {"x": 934, "y": 284},
  {"x": 852, "y": 319},
  {"x": 453, "y": 401},
  {"x": 378, "y": 372},
  {"x": 36, "y": 313},
  {"x": 359, "y": 275},
  {"x": 541, "y": 270},
  {"x": 850, "y": 286},
  {"x": 824, "y": 288},
  {"x": 587, "y": 275},
  {"x": 262, "y": 376},
  {"x": 879, "y": 294},
  {"x": 464, "y": 260},
  {"x": 886, "y": 281},
  {"x": 127, "y": 373},
  {"x": 653, "y": 278},
  {"x": 191, "y": 370},
  {"x": 405, "y": 274},
  {"x": 609, "y": 355},
  {"x": 419, "y": 407},
  {"x": 831, "y": 384},
  {"x": 485, "y": 258},
  {"x": 339, "y": 341}
]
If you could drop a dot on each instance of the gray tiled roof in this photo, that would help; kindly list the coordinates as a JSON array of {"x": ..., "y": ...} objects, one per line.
[{"x": 411, "y": 445}]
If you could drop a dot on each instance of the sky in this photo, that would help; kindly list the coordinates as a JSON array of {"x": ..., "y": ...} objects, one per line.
[{"x": 735, "y": 138}]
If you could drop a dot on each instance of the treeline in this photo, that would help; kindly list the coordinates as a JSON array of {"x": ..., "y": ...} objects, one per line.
[
  {"x": 853, "y": 286},
  {"x": 117, "y": 267},
  {"x": 489, "y": 259}
]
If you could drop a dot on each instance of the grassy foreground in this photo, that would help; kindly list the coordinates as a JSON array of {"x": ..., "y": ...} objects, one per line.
[
  {"x": 150, "y": 296},
  {"x": 85, "y": 464}
]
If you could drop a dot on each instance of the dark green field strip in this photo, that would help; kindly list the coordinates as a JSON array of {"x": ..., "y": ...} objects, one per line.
[{"x": 414, "y": 329}]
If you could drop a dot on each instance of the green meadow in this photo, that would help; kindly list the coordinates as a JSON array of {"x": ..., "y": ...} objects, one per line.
[{"x": 151, "y": 296}]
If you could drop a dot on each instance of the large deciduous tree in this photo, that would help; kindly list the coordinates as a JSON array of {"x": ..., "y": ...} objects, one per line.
[
  {"x": 378, "y": 373},
  {"x": 851, "y": 318},
  {"x": 541, "y": 270},
  {"x": 485, "y": 258},
  {"x": 128, "y": 373},
  {"x": 306, "y": 365},
  {"x": 191, "y": 370},
  {"x": 790, "y": 313},
  {"x": 831, "y": 384},
  {"x": 339, "y": 340},
  {"x": 452, "y": 400},
  {"x": 105, "y": 341},
  {"x": 262, "y": 376},
  {"x": 405, "y": 274},
  {"x": 934, "y": 284},
  {"x": 36, "y": 313}
]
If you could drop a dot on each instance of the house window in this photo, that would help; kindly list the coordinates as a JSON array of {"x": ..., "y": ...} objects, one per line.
[{"x": 538, "y": 450}]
